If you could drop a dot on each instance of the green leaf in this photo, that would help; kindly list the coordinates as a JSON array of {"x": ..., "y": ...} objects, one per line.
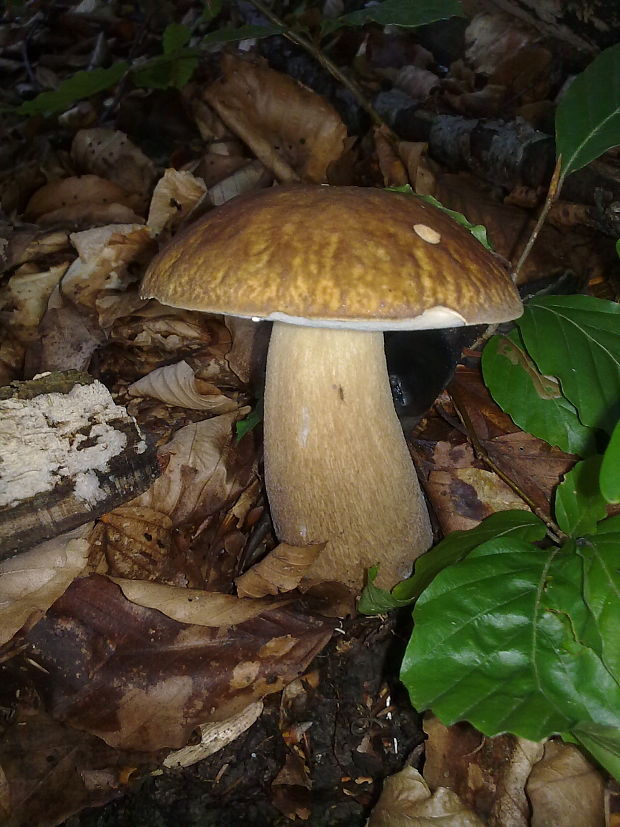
[
  {"x": 81, "y": 85},
  {"x": 241, "y": 33},
  {"x": 478, "y": 231},
  {"x": 579, "y": 504},
  {"x": 211, "y": 9},
  {"x": 587, "y": 120},
  {"x": 175, "y": 36},
  {"x": 603, "y": 743},
  {"x": 575, "y": 338},
  {"x": 166, "y": 71},
  {"x": 601, "y": 590},
  {"x": 497, "y": 641},
  {"x": 376, "y": 601},
  {"x": 399, "y": 13},
  {"x": 244, "y": 426},
  {"x": 535, "y": 402},
  {"x": 610, "y": 469},
  {"x": 456, "y": 546}
]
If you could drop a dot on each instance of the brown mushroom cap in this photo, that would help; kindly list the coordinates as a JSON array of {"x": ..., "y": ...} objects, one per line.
[{"x": 337, "y": 257}]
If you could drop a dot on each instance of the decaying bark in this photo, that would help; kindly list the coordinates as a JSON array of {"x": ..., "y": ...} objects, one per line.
[{"x": 68, "y": 454}]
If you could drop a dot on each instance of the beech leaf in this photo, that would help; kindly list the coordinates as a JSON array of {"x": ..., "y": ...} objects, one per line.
[
  {"x": 500, "y": 640},
  {"x": 587, "y": 120}
]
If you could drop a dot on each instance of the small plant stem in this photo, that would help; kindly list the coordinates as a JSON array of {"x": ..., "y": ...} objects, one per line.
[
  {"x": 552, "y": 193},
  {"x": 553, "y": 530},
  {"x": 321, "y": 58}
]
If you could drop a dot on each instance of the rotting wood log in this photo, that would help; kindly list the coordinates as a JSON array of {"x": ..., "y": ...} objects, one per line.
[{"x": 68, "y": 454}]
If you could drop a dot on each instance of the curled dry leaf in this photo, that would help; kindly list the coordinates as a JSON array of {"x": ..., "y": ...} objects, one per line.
[
  {"x": 290, "y": 128},
  {"x": 175, "y": 196},
  {"x": 157, "y": 326},
  {"x": 67, "y": 338},
  {"x": 564, "y": 788},
  {"x": 26, "y": 295},
  {"x": 135, "y": 542},
  {"x": 140, "y": 680},
  {"x": 280, "y": 571},
  {"x": 87, "y": 199},
  {"x": 406, "y": 801},
  {"x": 106, "y": 256},
  {"x": 194, "y": 606},
  {"x": 251, "y": 176},
  {"x": 247, "y": 357},
  {"x": 488, "y": 774},
  {"x": 110, "y": 154},
  {"x": 214, "y": 737},
  {"x": 177, "y": 385},
  {"x": 34, "y": 579},
  {"x": 34, "y": 244},
  {"x": 205, "y": 470}
]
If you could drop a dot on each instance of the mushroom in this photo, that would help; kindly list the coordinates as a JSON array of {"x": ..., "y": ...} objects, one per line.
[{"x": 334, "y": 267}]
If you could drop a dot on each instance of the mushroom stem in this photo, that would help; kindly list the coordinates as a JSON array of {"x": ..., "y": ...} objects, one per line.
[{"x": 337, "y": 466}]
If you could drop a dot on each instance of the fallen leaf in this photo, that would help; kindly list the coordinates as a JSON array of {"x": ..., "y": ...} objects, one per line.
[
  {"x": 140, "y": 680},
  {"x": 52, "y": 771},
  {"x": 84, "y": 201},
  {"x": 406, "y": 801},
  {"x": 564, "y": 788},
  {"x": 290, "y": 128},
  {"x": 200, "y": 476},
  {"x": 280, "y": 571},
  {"x": 195, "y": 606},
  {"x": 488, "y": 774},
  {"x": 31, "y": 581},
  {"x": 110, "y": 154},
  {"x": 26, "y": 294},
  {"x": 177, "y": 385},
  {"x": 176, "y": 195},
  {"x": 106, "y": 260}
]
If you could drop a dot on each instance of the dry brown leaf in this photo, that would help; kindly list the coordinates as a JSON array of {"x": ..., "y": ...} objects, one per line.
[
  {"x": 391, "y": 165},
  {"x": 280, "y": 571},
  {"x": 488, "y": 774},
  {"x": 406, "y": 801},
  {"x": 416, "y": 81},
  {"x": 247, "y": 357},
  {"x": 53, "y": 771},
  {"x": 291, "y": 129},
  {"x": 194, "y": 606},
  {"x": 175, "y": 197},
  {"x": 564, "y": 788},
  {"x": 34, "y": 579},
  {"x": 421, "y": 170},
  {"x": 198, "y": 479},
  {"x": 26, "y": 294},
  {"x": 177, "y": 385},
  {"x": 34, "y": 244},
  {"x": 110, "y": 154},
  {"x": 250, "y": 176},
  {"x": 489, "y": 37},
  {"x": 135, "y": 542},
  {"x": 214, "y": 737},
  {"x": 106, "y": 256},
  {"x": 86, "y": 192},
  {"x": 140, "y": 680},
  {"x": 67, "y": 338}
]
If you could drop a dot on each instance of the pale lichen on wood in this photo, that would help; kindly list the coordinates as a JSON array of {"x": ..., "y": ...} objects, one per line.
[{"x": 68, "y": 453}]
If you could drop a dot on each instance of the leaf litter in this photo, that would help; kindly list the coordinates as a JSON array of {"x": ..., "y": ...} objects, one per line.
[{"x": 166, "y": 642}]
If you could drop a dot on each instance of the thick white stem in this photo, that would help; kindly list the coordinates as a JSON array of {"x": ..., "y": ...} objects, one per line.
[{"x": 337, "y": 467}]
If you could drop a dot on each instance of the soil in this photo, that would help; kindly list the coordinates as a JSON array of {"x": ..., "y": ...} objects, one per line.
[{"x": 350, "y": 727}]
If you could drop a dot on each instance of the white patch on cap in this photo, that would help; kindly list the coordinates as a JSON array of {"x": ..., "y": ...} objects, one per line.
[{"x": 427, "y": 233}]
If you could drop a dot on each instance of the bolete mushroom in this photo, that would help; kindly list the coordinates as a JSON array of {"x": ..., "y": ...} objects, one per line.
[{"x": 333, "y": 267}]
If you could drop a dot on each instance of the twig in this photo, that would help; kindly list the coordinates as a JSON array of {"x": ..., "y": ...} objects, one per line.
[
  {"x": 553, "y": 530},
  {"x": 552, "y": 194},
  {"x": 321, "y": 58}
]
